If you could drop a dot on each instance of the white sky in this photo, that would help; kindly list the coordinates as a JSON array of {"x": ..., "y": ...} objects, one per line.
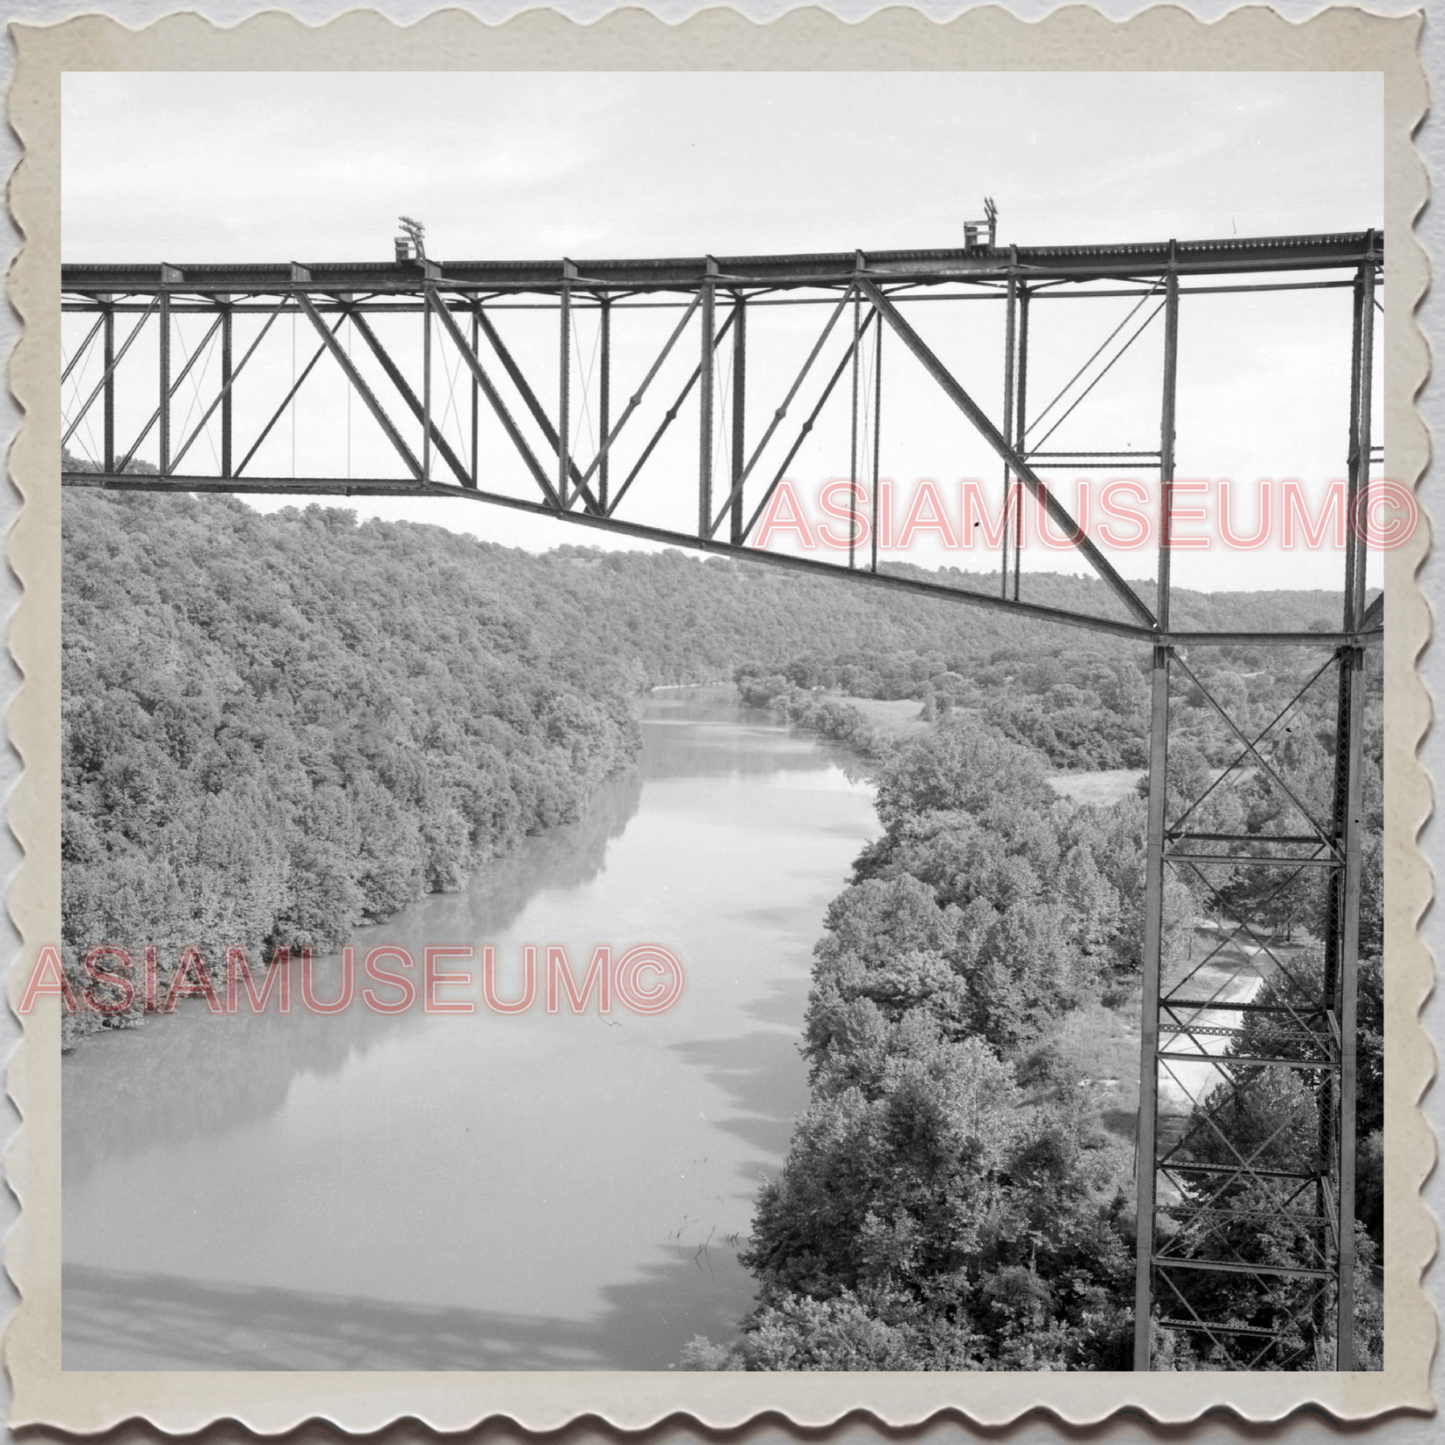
[{"x": 276, "y": 167}]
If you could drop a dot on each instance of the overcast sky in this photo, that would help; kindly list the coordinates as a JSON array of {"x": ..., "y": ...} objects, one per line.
[{"x": 275, "y": 167}]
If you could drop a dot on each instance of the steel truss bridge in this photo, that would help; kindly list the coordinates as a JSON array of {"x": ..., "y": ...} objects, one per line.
[{"x": 1225, "y": 1190}]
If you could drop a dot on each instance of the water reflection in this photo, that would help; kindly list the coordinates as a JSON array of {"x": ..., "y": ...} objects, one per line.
[
  {"x": 121, "y": 1092},
  {"x": 481, "y": 1192},
  {"x": 141, "y": 1321}
]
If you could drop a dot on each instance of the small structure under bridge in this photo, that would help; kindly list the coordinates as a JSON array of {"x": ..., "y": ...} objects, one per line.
[{"x": 147, "y": 397}]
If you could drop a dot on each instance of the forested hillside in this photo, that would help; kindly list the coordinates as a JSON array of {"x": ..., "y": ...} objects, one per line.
[
  {"x": 276, "y": 727},
  {"x": 960, "y": 1192}
]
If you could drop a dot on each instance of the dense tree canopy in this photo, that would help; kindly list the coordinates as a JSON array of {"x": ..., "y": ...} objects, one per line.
[
  {"x": 954, "y": 1198},
  {"x": 277, "y": 727}
]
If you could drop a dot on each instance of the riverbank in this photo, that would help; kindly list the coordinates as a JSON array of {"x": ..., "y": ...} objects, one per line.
[
  {"x": 875, "y": 726},
  {"x": 574, "y": 1188}
]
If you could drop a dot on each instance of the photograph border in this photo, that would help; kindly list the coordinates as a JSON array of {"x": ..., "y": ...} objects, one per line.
[{"x": 1077, "y": 38}]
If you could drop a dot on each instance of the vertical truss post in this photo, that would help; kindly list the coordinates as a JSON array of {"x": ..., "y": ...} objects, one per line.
[
  {"x": 1149, "y": 1023},
  {"x": 740, "y": 396},
  {"x": 564, "y": 385},
  {"x": 877, "y": 430},
  {"x": 1154, "y": 863},
  {"x": 1330, "y": 1121},
  {"x": 853, "y": 443},
  {"x": 434, "y": 442},
  {"x": 476, "y": 390},
  {"x": 426, "y": 394},
  {"x": 1020, "y": 431},
  {"x": 108, "y": 404},
  {"x": 1009, "y": 341},
  {"x": 226, "y": 378},
  {"x": 1166, "y": 433},
  {"x": 1362, "y": 375},
  {"x": 164, "y": 316},
  {"x": 1342, "y": 960},
  {"x": 604, "y": 396},
  {"x": 1342, "y": 944},
  {"x": 705, "y": 392},
  {"x": 1353, "y": 462}
]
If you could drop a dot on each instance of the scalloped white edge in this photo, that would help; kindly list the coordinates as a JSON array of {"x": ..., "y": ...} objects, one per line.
[{"x": 1077, "y": 37}]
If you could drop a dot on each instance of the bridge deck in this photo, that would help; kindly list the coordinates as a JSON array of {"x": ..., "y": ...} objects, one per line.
[{"x": 979, "y": 265}]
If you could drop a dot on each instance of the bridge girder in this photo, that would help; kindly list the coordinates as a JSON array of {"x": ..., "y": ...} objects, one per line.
[
  {"x": 329, "y": 295},
  {"x": 979, "y": 265}
]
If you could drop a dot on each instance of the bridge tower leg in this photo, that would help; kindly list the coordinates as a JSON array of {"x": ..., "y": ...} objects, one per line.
[{"x": 1246, "y": 1135}]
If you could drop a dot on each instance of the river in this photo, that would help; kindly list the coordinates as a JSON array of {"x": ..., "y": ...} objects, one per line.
[{"x": 423, "y": 1191}]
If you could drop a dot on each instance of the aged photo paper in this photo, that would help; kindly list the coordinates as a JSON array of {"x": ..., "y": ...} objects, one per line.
[{"x": 908, "y": 903}]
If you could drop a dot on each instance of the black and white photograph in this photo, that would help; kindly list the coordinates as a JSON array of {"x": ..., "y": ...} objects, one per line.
[{"x": 723, "y": 721}]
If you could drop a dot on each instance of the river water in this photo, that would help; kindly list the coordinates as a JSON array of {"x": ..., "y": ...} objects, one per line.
[{"x": 422, "y": 1191}]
